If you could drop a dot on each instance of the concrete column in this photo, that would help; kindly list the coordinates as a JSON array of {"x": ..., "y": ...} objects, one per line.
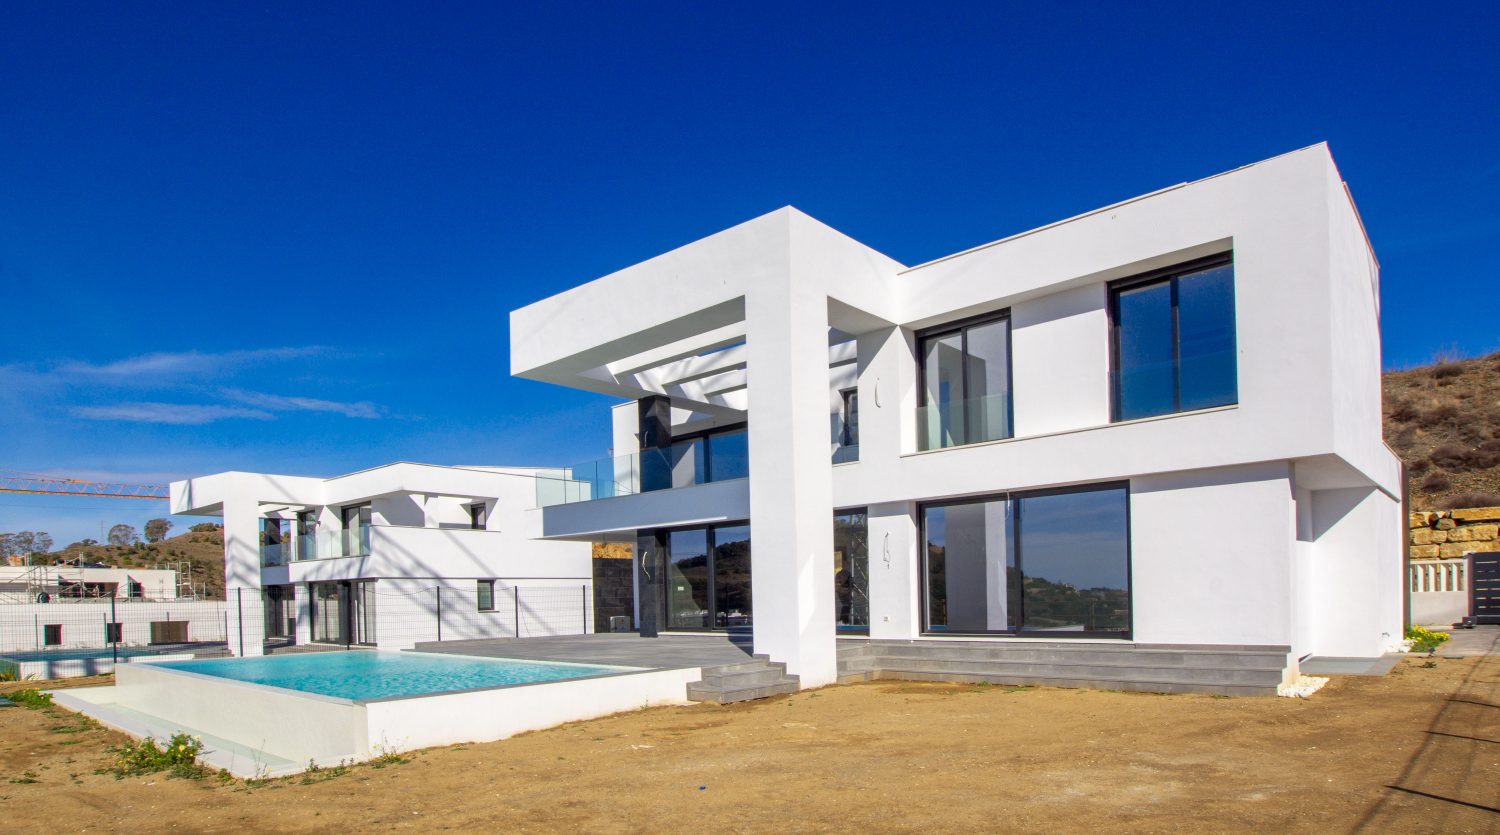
[
  {"x": 242, "y": 572},
  {"x": 791, "y": 482}
]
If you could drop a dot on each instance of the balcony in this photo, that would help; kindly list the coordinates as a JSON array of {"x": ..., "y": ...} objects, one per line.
[
  {"x": 699, "y": 461},
  {"x": 319, "y": 544},
  {"x": 960, "y": 422}
]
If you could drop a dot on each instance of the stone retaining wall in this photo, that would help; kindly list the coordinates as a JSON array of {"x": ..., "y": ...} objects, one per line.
[{"x": 1443, "y": 534}]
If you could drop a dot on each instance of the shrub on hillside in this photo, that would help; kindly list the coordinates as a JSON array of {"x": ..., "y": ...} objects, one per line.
[
  {"x": 1449, "y": 456},
  {"x": 1404, "y": 411},
  {"x": 1435, "y": 482},
  {"x": 1462, "y": 500}
]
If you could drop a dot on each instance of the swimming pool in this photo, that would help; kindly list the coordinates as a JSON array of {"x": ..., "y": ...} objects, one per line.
[{"x": 368, "y": 675}]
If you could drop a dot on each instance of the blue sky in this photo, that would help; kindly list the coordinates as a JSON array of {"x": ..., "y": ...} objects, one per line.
[{"x": 285, "y": 236}]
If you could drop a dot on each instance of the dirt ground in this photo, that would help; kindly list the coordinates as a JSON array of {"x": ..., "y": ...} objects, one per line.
[{"x": 1415, "y": 751}]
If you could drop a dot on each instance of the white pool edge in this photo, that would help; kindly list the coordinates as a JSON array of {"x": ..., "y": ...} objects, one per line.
[{"x": 253, "y": 724}]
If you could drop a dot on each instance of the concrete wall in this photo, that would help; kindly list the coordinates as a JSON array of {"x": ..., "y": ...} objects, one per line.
[{"x": 83, "y": 623}]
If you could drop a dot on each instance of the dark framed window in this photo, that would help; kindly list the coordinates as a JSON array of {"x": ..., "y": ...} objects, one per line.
[
  {"x": 707, "y": 578},
  {"x": 1049, "y": 562},
  {"x": 1172, "y": 340},
  {"x": 849, "y": 431},
  {"x": 486, "y": 595},
  {"x": 963, "y": 382},
  {"x": 114, "y": 633},
  {"x": 356, "y": 534},
  {"x": 851, "y": 572},
  {"x": 478, "y": 516},
  {"x": 52, "y": 635}
]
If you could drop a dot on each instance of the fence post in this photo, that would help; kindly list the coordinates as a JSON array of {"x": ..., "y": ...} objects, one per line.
[
  {"x": 585, "y": 590},
  {"x": 516, "y": 607},
  {"x": 114, "y": 640},
  {"x": 239, "y": 613},
  {"x": 439, "y": 590}
]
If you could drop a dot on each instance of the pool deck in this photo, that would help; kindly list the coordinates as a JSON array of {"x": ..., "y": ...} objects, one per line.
[{"x": 668, "y": 652}]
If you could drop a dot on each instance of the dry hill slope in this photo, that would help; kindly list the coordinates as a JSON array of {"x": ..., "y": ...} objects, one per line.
[{"x": 1444, "y": 422}]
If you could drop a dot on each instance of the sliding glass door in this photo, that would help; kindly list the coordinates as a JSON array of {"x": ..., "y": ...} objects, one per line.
[
  {"x": 708, "y": 578},
  {"x": 343, "y": 612},
  {"x": 1055, "y": 561}
]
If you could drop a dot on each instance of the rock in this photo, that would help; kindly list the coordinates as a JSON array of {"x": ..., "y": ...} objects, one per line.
[
  {"x": 1475, "y": 514},
  {"x": 1484, "y": 533},
  {"x": 1427, "y": 536},
  {"x": 1424, "y": 552},
  {"x": 1445, "y": 524},
  {"x": 1453, "y": 549},
  {"x": 1460, "y": 534},
  {"x": 1483, "y": 547},
  {"x": 1416, "y": 520}
]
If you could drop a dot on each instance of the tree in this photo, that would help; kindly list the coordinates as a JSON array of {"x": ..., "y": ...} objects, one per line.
[
  {"x": 41, "y": 543},
  {"x": 205, "y": 527},
  {"x": 123, "y": 535},
  {"x": 156, "y": 529}
]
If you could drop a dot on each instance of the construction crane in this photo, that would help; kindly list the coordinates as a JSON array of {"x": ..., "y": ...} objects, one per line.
[{"x": 13, "y": 481}]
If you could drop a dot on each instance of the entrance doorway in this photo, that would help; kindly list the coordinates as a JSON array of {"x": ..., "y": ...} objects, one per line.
[
  {"x": 343, "y": 612},
  {"x": 708, "y": 578},
  {"x": 281, "y": 611}
]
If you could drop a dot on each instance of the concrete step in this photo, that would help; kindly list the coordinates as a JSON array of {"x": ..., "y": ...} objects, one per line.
[
  {"x": 697, "y": 693},
  {"x": 1090, "y": 654},
  {"x": 1111, "y": 672},
  {"x": 755, "y": 679},
  {"x": 1095, "y": 684},
  {"x": 739, "y": 679},
  {"x": 1231, "y": 670}
]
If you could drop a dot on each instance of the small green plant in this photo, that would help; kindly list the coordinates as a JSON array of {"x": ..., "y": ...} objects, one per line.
[
  {"x": 34, "y": 699},
  {"x": 386, "y": 756},
  {"x": 26, "y": 777},
  {"x": 179, "y": 757},
  {"x": 1425, "y": 640}
]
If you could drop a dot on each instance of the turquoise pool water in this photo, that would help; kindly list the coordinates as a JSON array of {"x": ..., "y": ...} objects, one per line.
[{"x": 361, "y": 675}]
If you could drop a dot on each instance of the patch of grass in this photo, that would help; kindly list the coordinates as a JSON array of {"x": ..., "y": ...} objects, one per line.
[
  {"x": 34, "y": 699},
  {"x": 318, "y": 774},
  {"x": 179, "y": 757},
  {"x": 388, "y": 757},
  {"x": 27, "y": 776},
  {"x": 1425, "y": 640}
]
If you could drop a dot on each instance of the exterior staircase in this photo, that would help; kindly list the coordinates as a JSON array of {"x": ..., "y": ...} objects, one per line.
[
  {"x": 1159, "y": 668},
  {"x": 754, "y": 679}
]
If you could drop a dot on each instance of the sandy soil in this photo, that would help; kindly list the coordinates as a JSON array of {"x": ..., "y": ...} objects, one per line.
[{"x": 885, "y": 756}]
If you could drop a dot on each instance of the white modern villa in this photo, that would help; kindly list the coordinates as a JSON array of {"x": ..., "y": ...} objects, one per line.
[
  {"x": 389, "y": 557},
  {"x": 1141, "y": 446},
  {"x": 1137, "y": 449}
]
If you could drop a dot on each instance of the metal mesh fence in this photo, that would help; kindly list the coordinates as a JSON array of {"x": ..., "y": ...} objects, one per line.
[
  {"x": 49, "y": 640},
  {"x": 407, "y": 613}
]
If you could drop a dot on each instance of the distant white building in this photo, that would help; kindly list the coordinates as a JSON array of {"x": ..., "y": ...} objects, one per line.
[
  {"x": 390, "y": 556},
  {"x": 43, "y": 583},
  {"x": 1155, "y": 426}
]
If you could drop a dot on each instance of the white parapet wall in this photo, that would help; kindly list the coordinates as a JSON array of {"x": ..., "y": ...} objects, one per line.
[{"x": 254, "y": 730}]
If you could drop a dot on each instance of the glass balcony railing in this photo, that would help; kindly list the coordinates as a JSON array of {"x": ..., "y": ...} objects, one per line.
[
  {"x": 320, "y": 544},
  {"x": 959, "y": 422},
  {"x": 699, "y": 461}
]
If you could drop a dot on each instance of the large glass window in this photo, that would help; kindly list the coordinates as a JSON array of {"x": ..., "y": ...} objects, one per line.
[
  {"x": 687, "y": 596},
  {"x": 851, "y": 572},
  {"x": 965, "y": 386},
  {"x": 1174, "y": 341},
  {"x": 728, "y": 455},
  {"x": 708, "y": 578},
  {"x": 1045, "y": 562},
  {"x": 356, "y": 534},
  {"x": 731, "y": 576}
]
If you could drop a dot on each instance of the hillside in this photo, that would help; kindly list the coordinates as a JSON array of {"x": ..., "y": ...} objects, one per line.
[
  {"x": 204, "y": 550},
  {"x": 1444, "y": 422}
]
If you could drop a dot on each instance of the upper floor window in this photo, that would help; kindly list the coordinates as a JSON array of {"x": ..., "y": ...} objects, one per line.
[
  {"x": 964, "y": 383},
  {"x": 1173, "y": 341},
  {"x": 478, "y": 516}
]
